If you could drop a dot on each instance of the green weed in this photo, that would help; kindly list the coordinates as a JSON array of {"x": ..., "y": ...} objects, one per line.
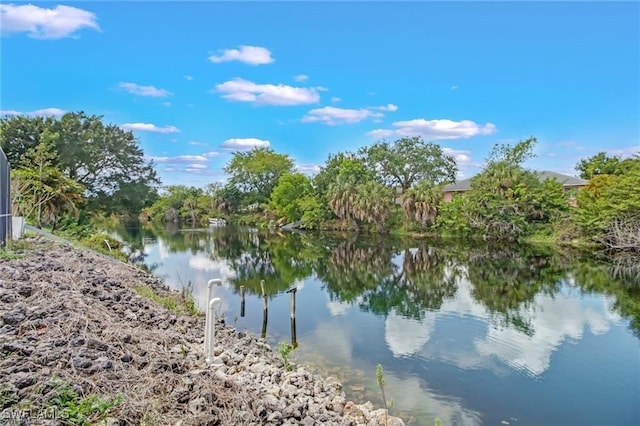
[
  {"x": 81, "y": 410},
  {"x": 285, "y": 349},
  {"x": 381, "y": 383}
]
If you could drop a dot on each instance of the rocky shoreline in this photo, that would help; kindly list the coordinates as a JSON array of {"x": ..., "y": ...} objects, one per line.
[{"x": 80, "y": 345}]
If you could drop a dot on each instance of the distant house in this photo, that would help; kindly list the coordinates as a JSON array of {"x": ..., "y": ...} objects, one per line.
[{"x": 568, "y": 183}]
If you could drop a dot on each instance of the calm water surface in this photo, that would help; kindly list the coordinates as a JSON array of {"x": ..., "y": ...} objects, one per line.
[{"x": 472, "y": 335}]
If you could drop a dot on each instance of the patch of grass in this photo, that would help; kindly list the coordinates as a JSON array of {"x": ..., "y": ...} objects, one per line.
[
  {"x": 15, "y": 249},
  {"x": 173, "y": 302},
  {"x": 105, "y": 244},
  {"x": 7, "y": 398},
  {"x": 80, "y": 410},
  {"x": 8, "y": 254},
  {"x": 167, "y": 302},
  {"x": 189, "y": 301}
]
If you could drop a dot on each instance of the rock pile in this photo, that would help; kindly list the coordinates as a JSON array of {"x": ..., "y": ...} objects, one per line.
[{"x": 75, "y": 318}]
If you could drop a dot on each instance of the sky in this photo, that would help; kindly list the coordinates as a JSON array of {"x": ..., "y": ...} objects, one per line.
[{"x": 196, "y": 81}]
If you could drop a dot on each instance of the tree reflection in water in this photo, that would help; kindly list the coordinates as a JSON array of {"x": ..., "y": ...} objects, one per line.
[{"x": 410, "y": 278}]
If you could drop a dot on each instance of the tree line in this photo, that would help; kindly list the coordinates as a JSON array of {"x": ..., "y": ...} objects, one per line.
[
  {"x": 399, "y": 185},
  {"x": 64, "y": 168}
]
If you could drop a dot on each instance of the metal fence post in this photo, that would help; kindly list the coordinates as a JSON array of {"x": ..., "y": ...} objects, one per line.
[{"x": 5, "y": 199}]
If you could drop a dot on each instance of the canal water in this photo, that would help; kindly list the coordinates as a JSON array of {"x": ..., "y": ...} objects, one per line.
[{"x": 467, "y": 334}]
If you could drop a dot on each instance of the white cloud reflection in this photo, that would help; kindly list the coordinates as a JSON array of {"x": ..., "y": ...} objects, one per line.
[{"x": 488, "y": 343}]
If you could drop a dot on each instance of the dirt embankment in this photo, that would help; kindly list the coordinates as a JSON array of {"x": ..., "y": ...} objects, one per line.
[{"x": 79, "y": 345}]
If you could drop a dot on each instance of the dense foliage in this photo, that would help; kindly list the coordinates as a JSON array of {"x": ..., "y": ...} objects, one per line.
[
  {"x": 62, "y": 163},
  {"x": 609, "y": 207},
  {"x": 506, "y": 200},
  {"x": 391, "y": 186}
]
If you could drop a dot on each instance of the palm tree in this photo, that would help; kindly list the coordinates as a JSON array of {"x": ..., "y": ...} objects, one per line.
[
  {"x": 420, "y": 203},
  {"x": 342, "y": 197},
  {"x": 45, "y": 192},
  {"x": 374, "y": 203}
]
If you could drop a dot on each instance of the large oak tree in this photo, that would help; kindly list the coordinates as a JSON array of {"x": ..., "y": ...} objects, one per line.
[
  {"x": 103, "y": 158},
  {"x": 409, "y": 160},
  {"x": 255, "y": 173}
]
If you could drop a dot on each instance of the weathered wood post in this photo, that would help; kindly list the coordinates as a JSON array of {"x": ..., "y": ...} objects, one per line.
[
  {"x": 264, "y": 310},
  {"x": 294, "y": 340},
  {"x": 242, "y": 301}
]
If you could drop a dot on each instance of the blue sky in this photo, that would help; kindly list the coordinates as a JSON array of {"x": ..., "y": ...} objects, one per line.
[{"x": 197, "y": 80}]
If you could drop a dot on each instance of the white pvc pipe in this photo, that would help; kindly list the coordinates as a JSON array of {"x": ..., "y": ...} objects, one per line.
[
  {"x": 207, "y": 317},
  {"x": 210, "y": 337},
  {"x": 210, "y": 321}
]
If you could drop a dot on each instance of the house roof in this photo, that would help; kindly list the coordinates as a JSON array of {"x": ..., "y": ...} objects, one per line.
[
  {"x": 461, "y": 185},
  {"x": 565, "y": 180}
]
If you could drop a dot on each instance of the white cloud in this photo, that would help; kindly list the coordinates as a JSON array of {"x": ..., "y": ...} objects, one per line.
[
  {"x": 167, "y": 104},
  {"x": 454, "y": 87},
  {"x": 48, "y": 112},
  {"x": 211, "y": 154},
  {"x": 194, "y": 143},
  {"x": 629, "y": 151},
  {"x": 245, "y": 143},
  {"x": 308, "y": 168},
  {"x": 45, "y": 112},
  {"x": 435, "y": 129},
  {"x": 333, "y": 115},
  {"x": 204, "y": 263},
  {"x": 188, "y": 77},
  {"x": 335, "y": 99},
  {"x": 463, "y": 161},
  {"x": 461, "y": 156},
  {"x": 10, "y": 112},
  {"x": 388, "y": 107},
  {"x": 197, "y": 166},
  {"x": 42, "y": 23},
  {"x": 252, "y": 55},
  {"x": 301, "y": 77},
  {"x": 406, "y": 336},
  {"x": 242, "y": 90},
  {"x": 338, "y": 308},
  {"x": 137, "y": 89},
  {"x": 556, "y": 320},
  {"x": 148, "y": 127},
  {"x": 180, "y": 159}
]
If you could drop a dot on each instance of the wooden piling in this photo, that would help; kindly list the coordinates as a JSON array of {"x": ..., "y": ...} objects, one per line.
[
  {"x": 264, "y": 310},
  {"x": 294, "y": 340},
  {"x": 242, "y": 301}
]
